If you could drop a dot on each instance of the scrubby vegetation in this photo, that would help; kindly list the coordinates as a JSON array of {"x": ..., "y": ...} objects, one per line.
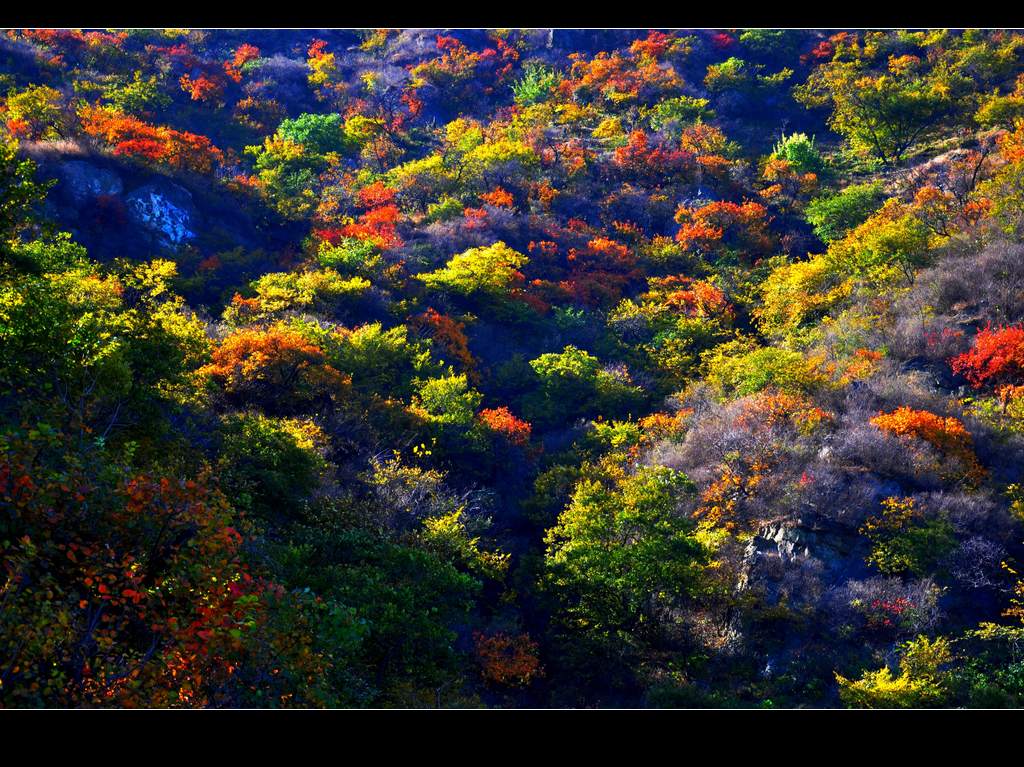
[{"x": 511, "y": 368}]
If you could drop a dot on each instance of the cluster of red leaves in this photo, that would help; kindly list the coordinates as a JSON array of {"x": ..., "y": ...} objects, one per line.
[
  {"x": 640, "y": 159},
  {"x": 331, "y": 236},
  {"x": 201, "y": 88},
  {"x": 693, "y": 298},
  {"x": 596, "y": 287},
  {"x": 317, "y": 49},
  {"x": 148, "y": 575},
  {"x": 375, "y": 195},
  {"x": 132, "y": 137},
  {"x": 457, "y": 64},
  {"x": 996, "y": 356},
  {"x": 74, "y": 42},
  {"x": 243, "y": 54},
  {"x": 501, "y": 421},
  {"x": 611, "y": 73},
  {"x": 413, "y": 103},
  {"x": 178, "y": 54},
  {"x": 723, "y": 40},
  {"x": 743, "y": 226},
  {"x": 601, "y": 256},
  {"x": 884, "y": 613},
  {"x": 935, "y": 340},
  {"x": 378, "y": 226},
  {"x": 595, "y": 271},
  {"x": 544, "y": 193},
  {"x": 654, "y": 46},
  {"x": 535, "y": 303},
  {"x": 507, "y": 660},
  {"x": 18, "y": 128},
  {"x": 572, "y": 155},
  {"x": 476, "y": 218},
  {"x": 823, "y": 51},
  {"x": 544, "y": 247},
  {"x": 67, "y": 37}
]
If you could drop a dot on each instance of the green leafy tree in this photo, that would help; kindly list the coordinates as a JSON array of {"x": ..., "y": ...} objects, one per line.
[
  {"x": 738, "y": 373},
  {"x": 20, "y": 194},
  {"x": 448, "y": 400},
  {"x": 800, "y": 151},
  {"x": 573, "y": 383},
  {"x": 270, "y": 465},
  {"x": 619, "y": 550},
  {"x": 833, "y": 215},
  {"x": 904, "y": 540},
  {"x": 37, "y": 112},
  {"x": 318, "y": 133},
  {"x": 885, "y": 114},
  {"x": 536, "y": 82}
]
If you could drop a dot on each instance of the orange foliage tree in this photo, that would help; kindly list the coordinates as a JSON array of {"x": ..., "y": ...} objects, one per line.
[
  {"x": 947, "y": 435},
  {"x": 501, "y": 421},
  {"x": 507, "y": 660},
  {"x": 273, "y": 367},
  {"x": 722, "y": 224},
  {"x": 242, "y": 56},
  {"x": 160, "y": 144},
  {"x": 201, "y": 88}
]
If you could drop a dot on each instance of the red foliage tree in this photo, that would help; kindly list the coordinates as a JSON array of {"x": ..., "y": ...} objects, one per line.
[
  {"x": 743, "y": 226},
  {"x": 651, "y": 162},
  {"x": 243, "y": 54},
  {"x": 501, "y": 421},
  {"x": 201, "y": 88},
  {"x": 996, "y": 357}
]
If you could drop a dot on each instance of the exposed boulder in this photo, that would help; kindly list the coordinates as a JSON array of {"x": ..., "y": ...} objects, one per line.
[
  {"x": 82, "y": 181},
  {"x": 782, "y": 547},
  {"x": 165, "y": 210}
]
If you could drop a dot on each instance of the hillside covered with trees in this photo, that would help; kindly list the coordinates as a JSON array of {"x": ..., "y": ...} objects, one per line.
[{"x": 511, "y": 368}]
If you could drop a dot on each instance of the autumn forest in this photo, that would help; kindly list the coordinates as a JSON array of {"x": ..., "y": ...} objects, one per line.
[{"x": 511, "y": 368}]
